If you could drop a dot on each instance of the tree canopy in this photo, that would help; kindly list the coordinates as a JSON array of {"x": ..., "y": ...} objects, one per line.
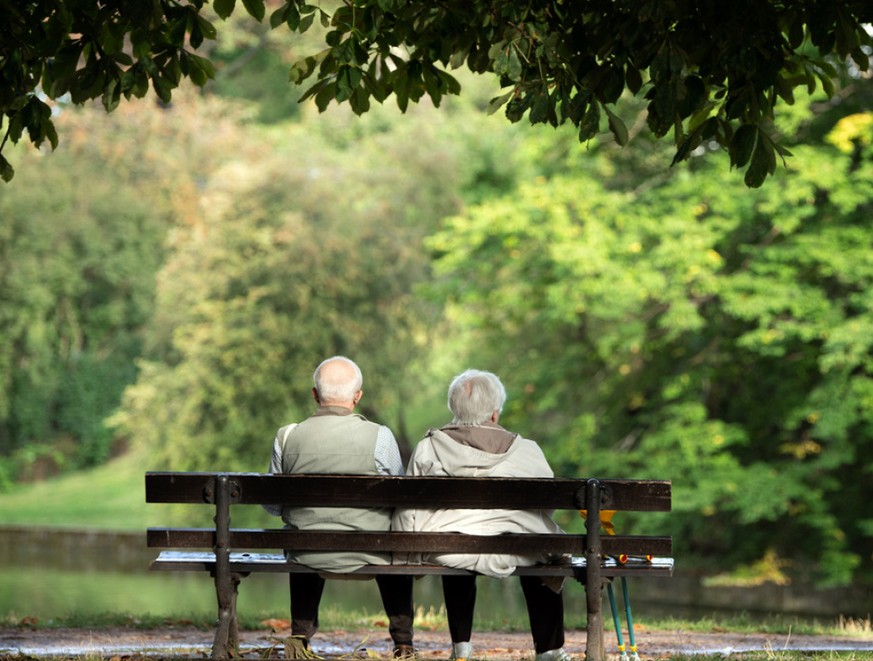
[{"x": 713, "y": 74}]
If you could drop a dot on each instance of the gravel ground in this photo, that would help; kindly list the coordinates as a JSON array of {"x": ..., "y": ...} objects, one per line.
[{"x": 174, "y": 641}]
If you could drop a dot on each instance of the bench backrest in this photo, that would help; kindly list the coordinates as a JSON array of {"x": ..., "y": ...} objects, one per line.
[
  {"x": 429, "y": 492},
  {"x": 225, "y": 489}
]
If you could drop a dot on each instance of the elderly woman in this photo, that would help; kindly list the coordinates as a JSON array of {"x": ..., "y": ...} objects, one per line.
[{"x": 475, "y": 445}]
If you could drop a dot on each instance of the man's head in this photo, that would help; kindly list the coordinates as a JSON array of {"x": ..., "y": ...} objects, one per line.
[
  {"x": 476, "y": 397},
  {"x": 338, "y": 382}
]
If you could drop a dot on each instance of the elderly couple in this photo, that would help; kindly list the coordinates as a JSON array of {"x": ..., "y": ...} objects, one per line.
[{"x": 337, "y": 440}]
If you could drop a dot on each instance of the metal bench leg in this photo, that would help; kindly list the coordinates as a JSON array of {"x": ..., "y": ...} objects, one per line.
[
  {"x": 594, "y": 647},
  {"x": 226, "y": 643}
]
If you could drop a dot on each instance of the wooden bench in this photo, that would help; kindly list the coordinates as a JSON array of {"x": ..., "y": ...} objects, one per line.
[{"x": 229, "y": 554}]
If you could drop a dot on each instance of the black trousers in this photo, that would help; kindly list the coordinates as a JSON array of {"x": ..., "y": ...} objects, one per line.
[
  {"x": 545, "y": 610},
  {"x": 396, "y": 592}
]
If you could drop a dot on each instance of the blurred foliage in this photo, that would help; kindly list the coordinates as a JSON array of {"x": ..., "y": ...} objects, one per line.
[
  {"x": 81, "y": 239},
  {"x": 312, "y": 246}
]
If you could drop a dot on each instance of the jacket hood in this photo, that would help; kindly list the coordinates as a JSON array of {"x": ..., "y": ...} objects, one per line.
[{"x": 461, "y": 458}]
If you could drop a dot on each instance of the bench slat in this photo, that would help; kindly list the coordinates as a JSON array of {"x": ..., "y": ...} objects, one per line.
[
  {"x": 440, "y": 492},
  {"x": 245, "y": 563},
  {"x": 517, "y": 544}
]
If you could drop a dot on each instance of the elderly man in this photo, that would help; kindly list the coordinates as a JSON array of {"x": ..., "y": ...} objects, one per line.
[
  {"x": 475, "y": 445},
  {"x": 337, "y": 440}
]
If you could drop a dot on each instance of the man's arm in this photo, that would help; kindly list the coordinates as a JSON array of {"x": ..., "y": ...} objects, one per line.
[
  {"x": 276, "y": 464},
  {"x": 387, "y": 454}
]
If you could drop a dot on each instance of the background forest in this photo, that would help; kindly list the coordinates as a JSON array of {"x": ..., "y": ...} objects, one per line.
[{"x": 172, "y": 273}]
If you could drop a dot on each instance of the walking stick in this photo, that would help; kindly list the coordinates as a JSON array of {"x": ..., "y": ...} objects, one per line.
[
  {"x": 621, "y": 649},
  {"x": 630, "y": 621}
]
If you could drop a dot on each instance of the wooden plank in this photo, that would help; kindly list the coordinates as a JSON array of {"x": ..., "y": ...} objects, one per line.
[
  {"x": 435, "y": 492},
  {"x": 277, "y": 563},
  {"x": 407, "y": 542}
]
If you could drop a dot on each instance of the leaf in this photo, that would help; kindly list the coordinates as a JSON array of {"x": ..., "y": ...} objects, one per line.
[
  {"x": 590, "y": 123},
  {"x": 347, "y": 80},
  {"x": 795, "y": 30},
  {"x": 51, "y": 133},
  {"x": 861, "y": 58},
  {"x": 695, "y": 96},
  {"x": 539, "y": 111},
  {"x": 111, "y": 94},
  {"x": 827, "y": 84},
  {"x": 6, "y": 169},
  {"x": 204, "y": 65},
  {"x": 514, "y": 65},
  {"x": 612, "y": 84},
  {"x": 279, "y": 16},
  {"x": 616, "y": 125},
  {"x": 688, "y": 145},
  {"x": 206, "y": 27},
  {"x": 302, "y": 69},
  {"x": 61, "y": 69},
  {"x": 325, "y": 95},
  {"x": 451, "y": 83},
  {"x": 498, "y": 102},
  {"x": 742, "y": 144},
  {"x": 784, "y": 89},
  {"x": 763, "y": 163},
  {"x": 224, "y": 8},
  {"x": 516, "y": 107},
  {"x": 458, "y": 58},
  {"x": 360, "y": 101},
  {"x": 255, "y": 8},
  {"x": 306, "y": 22},
  {"x": 633, "y": 78},
  {"x": 163, "y": 88}
]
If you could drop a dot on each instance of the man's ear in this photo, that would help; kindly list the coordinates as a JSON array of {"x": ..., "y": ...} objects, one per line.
[
  {"x": 315, "y": 396},
  {"x": 495, "y": 416},
  {"x": 357, "y": 397}
]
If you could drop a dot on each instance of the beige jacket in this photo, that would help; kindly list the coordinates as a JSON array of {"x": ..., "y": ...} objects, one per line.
[{"x": 441, "y": 454}]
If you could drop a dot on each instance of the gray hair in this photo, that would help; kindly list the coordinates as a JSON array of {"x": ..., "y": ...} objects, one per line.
[
  {"x": 337, "y": 380},
  {"x": 474, "y": 396}
]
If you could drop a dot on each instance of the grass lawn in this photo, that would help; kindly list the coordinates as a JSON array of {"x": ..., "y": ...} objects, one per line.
[{"x": 111, "y": 496}]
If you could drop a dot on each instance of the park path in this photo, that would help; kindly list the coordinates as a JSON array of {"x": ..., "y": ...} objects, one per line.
[{"x": 181, "y": 642}]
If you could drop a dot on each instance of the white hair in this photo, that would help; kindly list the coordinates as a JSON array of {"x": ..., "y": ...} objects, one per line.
[
  {"x": 340, "y": 382},
  {"x": 474, "y": 396}
]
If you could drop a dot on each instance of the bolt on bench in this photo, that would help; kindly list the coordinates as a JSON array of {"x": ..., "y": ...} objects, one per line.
[{"x": 230, "y": 554}]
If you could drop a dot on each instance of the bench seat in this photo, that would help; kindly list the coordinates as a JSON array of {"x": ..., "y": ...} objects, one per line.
[{"x": 247, "y": 563}]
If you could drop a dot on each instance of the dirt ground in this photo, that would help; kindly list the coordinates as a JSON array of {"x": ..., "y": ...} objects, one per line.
[{"x": 181, "y": 642}]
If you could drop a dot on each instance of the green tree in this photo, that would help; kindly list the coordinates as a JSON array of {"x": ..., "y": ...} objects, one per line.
[
  {"x": 81, "y": 240},
  {"x": 76, "y": 284},
  {"x": 689, "y": 329},
  {"x": 708, "y": 72}
]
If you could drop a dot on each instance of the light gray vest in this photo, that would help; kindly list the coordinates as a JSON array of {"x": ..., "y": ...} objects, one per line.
[{"x": 334, "y": 440}]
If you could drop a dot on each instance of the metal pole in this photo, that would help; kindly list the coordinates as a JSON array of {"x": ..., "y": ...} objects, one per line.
[
  {"x": 594, "y": 650},
  {"x": 224, "y": 588}
]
